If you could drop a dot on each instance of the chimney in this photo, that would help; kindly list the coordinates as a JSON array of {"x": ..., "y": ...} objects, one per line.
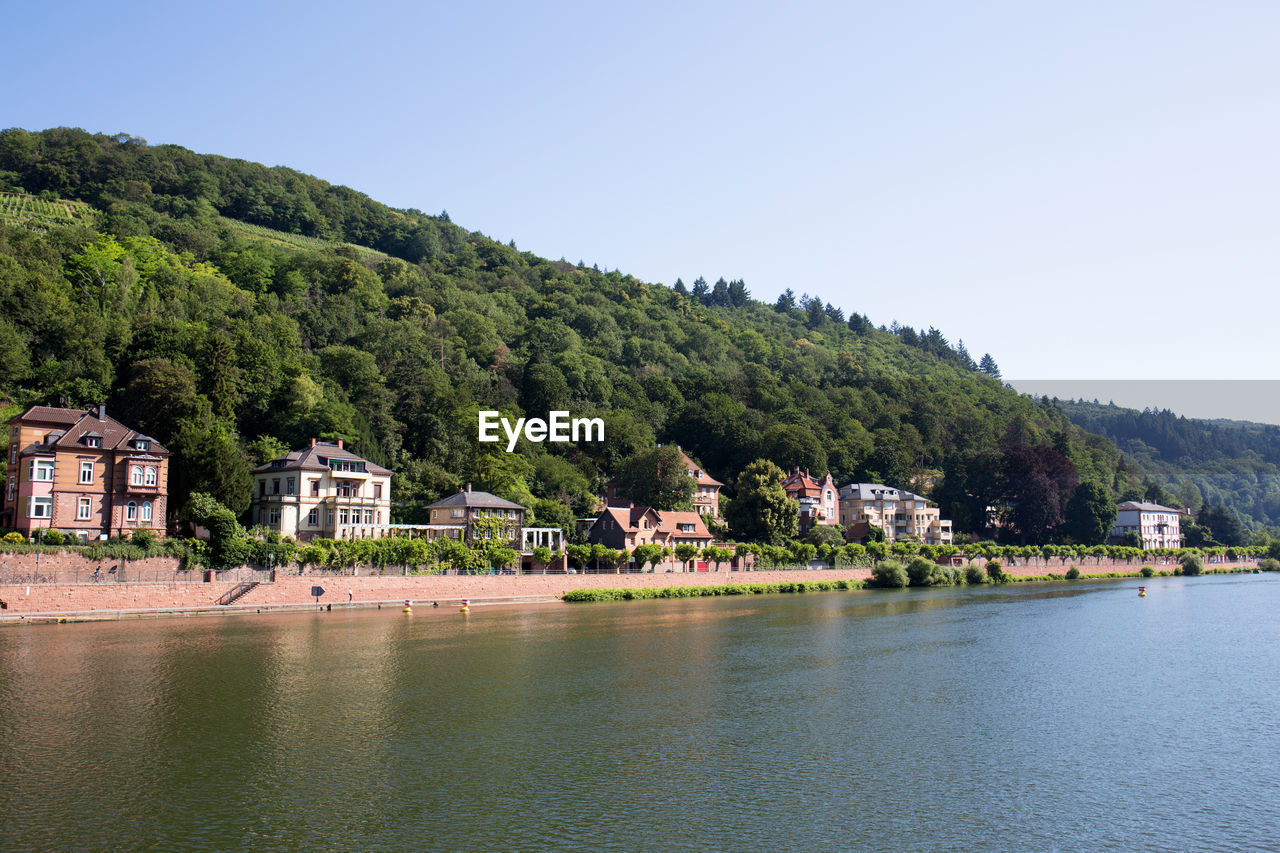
[
  {"x": 339, "y": 444},
  {"x": 102, "y": 411},
  {"x": 468, "y": 488},
  {"x": 313, "y": 442}
]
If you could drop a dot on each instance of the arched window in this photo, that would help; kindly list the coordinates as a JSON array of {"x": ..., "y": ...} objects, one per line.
[
  {"x": 146, "y": 510},
  {"x": 135, "y": 475},
  {"x": 151, "y": 476},
  {"x": 131, "y": 511}
]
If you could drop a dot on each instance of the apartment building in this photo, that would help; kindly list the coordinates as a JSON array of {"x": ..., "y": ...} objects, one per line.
[
  {"x": 84, "y": 474},
  {"x": 322, "y": 491},
  {"x": 900, "y": 514}
]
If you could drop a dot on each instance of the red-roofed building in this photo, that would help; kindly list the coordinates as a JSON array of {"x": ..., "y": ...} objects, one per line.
[
  {"x": 626, "y": 528},
  {"x": 819, "y": 499},
  {"x": 84, "y": 474}
]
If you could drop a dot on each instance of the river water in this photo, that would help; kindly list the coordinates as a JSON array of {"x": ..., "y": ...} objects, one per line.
[{"x": 1028, "y": 717}]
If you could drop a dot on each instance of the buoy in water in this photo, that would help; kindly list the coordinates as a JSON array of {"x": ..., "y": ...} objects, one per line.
[
  {"x": 1142, "y": 592},
  {"x": 465, "y": 608},
  {"x": 408, "y": 607}
]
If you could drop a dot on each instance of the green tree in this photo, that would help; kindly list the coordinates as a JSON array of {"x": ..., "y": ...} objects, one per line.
[
  {"x": 761, "y": 510},
  {"x": 1090, "y": 514},
  {"x": 658, "y": 478}
]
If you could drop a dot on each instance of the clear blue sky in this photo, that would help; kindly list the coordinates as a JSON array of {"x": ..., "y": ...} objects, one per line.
[{"x": 1084, "y": 190}]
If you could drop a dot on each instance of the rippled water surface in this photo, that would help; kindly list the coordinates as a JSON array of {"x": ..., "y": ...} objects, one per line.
[{"x": 1041, "y": 717}]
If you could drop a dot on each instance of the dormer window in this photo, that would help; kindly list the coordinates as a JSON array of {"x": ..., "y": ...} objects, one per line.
[
  {"x": 93, "y": 441},
  {"x": 142, "y": 444}
]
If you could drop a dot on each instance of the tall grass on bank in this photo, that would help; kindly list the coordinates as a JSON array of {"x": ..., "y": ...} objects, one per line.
[{"x": 579, "y": 595}]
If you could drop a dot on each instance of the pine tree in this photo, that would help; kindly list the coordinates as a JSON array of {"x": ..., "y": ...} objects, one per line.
[
  {"x": 720, "y": 293},
  {"x": 786, "y": 302},
  {"x": 988, "y": 366},
  {"x": 701, "y": 290},
  {"x": 679, "y": 287}
]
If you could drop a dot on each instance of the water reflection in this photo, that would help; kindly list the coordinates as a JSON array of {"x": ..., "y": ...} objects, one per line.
[{"x": 1005, "y": 718}]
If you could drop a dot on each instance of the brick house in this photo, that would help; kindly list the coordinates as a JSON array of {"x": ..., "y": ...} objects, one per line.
[
  {"x": 818, "y": 499},
  {"x": 323, "y": 490},
  {"x": 626, "y": 528},
  {"x": 84, "y": 474}
]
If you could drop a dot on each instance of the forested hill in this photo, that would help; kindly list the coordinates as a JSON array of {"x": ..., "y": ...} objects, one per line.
[
  {"x": 1198, "y": 462},
  {"x": 231, "y": 310}
]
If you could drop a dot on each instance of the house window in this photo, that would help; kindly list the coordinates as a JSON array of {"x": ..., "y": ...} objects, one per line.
[
  {"x": 273, "y": 516},
  {"x": 377, "y": 491},
  {"x": 151, "y": 476},
  {"x": 83, "y": 507},
  {"x": 41, "y": 508},
  {"x": 135, "y": 475},
  {"x": 92, "y": 441},
  {"x": 315, "y": 488},
  {"x": 86, "y": 472},
  {"x": 142, "y": 445},
  {"x": 131, "y": 511},
  {"x": 13, "y": 454},
  {"x": 344, "y": 517},
  {"x": 313, "y": 518},
  {"x": 368, "y": 516},
  {"x": 275, "y": 486},
  {"x": 288, "y": 486},
  {"x": 146, "y": 510},
  {"x": 329, "y": 518},
  {"x": 42, "y": 470}
]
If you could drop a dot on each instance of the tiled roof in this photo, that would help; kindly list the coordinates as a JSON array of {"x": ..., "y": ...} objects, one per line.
[
  {"x": 77, "y": 423},
  {"x": 875, "y": 492},
  {"x": 50, "y": 415},
  {"x": 1146, "y": 507},
  {"x": 308, "y": 459},
  {"x": 669, "y": 523},
  {"x": 701, "y": 476},
  {"x": 475, "y": 499}
]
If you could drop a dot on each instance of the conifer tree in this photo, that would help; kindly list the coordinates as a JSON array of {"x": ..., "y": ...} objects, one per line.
[{"x": 988, "y": 366}]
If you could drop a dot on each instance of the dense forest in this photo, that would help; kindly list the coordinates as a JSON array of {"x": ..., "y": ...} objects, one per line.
[
  {"x": 233, "y": 310},
  {"x": 1196, "y": 463}
]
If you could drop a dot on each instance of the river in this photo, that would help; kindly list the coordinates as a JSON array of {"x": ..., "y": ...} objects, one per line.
[{"x": 1029, "y": 717}]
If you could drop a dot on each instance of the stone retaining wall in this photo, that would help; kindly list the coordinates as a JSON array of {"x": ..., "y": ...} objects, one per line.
[{"x": 61, "y": 598}]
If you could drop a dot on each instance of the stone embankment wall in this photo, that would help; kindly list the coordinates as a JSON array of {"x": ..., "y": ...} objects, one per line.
[
  {"x": 166, "y": 594},
  {"x": 293, "y": 590},
  {"x": 71, "y": 567}
]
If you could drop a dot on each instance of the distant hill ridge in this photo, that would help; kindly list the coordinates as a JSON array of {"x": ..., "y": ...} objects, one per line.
[{"x": 1235, "y": 463}]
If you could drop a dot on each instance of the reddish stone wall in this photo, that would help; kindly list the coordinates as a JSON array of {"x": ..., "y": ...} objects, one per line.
[
  {"x": 71, "y": 567},
  {"x": 60, "y": 598}
]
